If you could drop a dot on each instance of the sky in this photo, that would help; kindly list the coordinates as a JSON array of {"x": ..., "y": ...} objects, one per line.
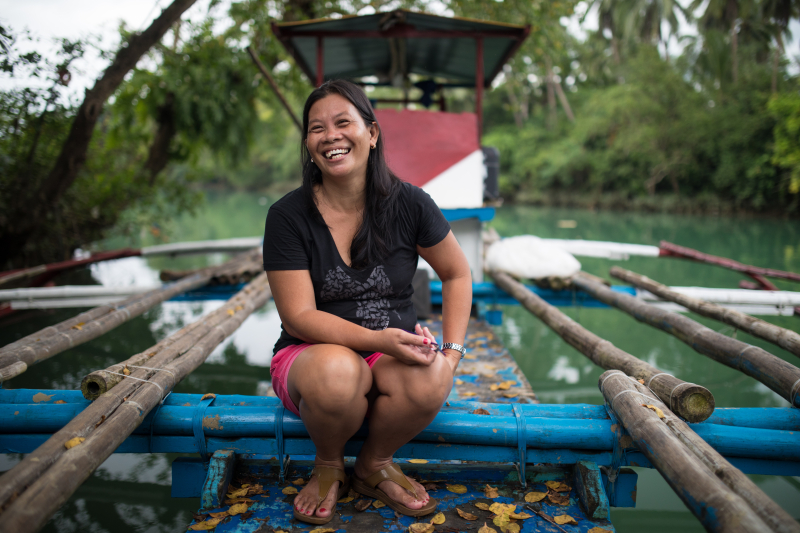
[{"x": 47, "y": 19}]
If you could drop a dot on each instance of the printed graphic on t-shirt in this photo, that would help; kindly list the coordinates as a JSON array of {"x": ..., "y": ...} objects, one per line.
[{"x": 370, "y": 296}]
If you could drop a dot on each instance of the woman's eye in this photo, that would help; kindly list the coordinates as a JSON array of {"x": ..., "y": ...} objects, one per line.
[
  {"x": 343, "y": 123},
  {"x": 316, "y": 129}
]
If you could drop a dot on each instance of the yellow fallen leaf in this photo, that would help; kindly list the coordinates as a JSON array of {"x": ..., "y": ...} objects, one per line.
[
  {"x": 658, "y": 411},
  {"x": 418, "y": 461},
  {"x": 71, "y": 443},
  {"x": 494, "y": 386},
  {"x": 299, "y": 481},
  {"x": 221, "y": 514},
  {"x": 470, "y": 356},
  {"x": 126, "y": 371},
  {"x": 558, "y": 486},
  {"x": 599, "y": 530},
  {"x": 640, "y": 381},
  {"x": 421, "y": 527},
  {"x": 465, "y": 515},
  {"x": 377, "y": 504},
  {"x": 346, "y": 499},
  {"x": 437, "y": 519},
  {"x": 323, "y": 530},
  {"x": 289, "y": 490},
  {"x": 533, "y": 497},
  {"x": 468, "y": 394},
  {"x": 231, "y": 312},
  {"x": 481, "y": 412},
  {"x": 511, "y": 394},
  {"x": 487, "y": 529},
  {"x": 78, "y": 326},
  {"x": 501, "y": 521},
  {"x": 506, "y": 385},
  {"x": 205, "y": 526},
  {"x": 510, "y": 528},
  {"x": 483, "y": 506},
  {"x": 245, "y": 486},
  {"x": 458, "y": 489},
  {"x": 520, "y": 516},
  {"x": 490, "y": 492},
  {"x": 239, "y": 508},
  {"x": 459, "y": 382},
  {"x": 558, "y": 499},
  {"x": 503, "y": 508},
  {"x": 239, "y": 493},
  {"x": 564, "y": 519}
]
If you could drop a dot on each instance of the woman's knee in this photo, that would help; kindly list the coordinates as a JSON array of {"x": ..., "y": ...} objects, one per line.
[
  {"x": 331, "y": 376},
  {"x": 426, "y": 388}
]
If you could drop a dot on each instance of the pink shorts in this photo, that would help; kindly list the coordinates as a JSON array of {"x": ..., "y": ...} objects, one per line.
[{"x": 282, "y": 363}]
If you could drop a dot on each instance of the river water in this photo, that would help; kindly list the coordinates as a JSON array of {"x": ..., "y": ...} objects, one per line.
[{"x": 132, "y": 492}]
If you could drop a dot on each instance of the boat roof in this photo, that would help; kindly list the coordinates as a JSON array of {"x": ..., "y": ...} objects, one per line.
[{"x": 401, "y": 42}]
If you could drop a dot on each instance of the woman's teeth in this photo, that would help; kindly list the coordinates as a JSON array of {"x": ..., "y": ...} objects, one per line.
[{"x": 337, "y": 154}]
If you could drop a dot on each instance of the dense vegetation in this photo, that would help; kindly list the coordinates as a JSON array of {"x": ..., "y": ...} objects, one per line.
[{"x": 618, "y": 117}]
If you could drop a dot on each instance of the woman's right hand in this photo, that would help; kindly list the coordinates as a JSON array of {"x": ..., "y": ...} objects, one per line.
[{"x": 407, "y": 347}]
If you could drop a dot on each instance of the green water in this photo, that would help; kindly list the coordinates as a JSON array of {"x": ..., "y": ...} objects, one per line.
[{"x": 131, "y": 492}]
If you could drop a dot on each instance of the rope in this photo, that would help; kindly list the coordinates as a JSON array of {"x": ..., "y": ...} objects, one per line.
[
  {"x": 629, "y": 390},
  {"x": 793, "y": 394},
  {"x": 143, "y": 380},
  {"x": 157, "y": 370},
  {"x": 655, "y": 376}
]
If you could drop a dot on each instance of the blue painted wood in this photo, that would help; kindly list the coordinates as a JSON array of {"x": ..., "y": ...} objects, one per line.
[
  {"x": 785, "y": 418},
  {"x": 220, "y": 472},
  {"x": 588, "y": 484},
  {"x": 484, "y": 214},
  {"x": 188, "y": 476},
  {"x": 625, "y": 488},
  {"x": 490, "y": 293}
]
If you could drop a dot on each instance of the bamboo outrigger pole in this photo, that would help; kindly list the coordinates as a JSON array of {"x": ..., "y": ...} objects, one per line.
[
  {"x": 719, "y": 495},
  {"x": 772, "y": 371},
  {"x": 37, "y": 486},
  {"x": 693, "y": 402},
  {"x": 16, "y": 357},
  {"x": 785, "y": 338}
]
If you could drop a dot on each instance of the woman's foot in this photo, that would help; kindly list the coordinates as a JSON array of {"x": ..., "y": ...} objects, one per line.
[
  {"x": 365, "y": 468},
  {"x": 307, "y": 503}
]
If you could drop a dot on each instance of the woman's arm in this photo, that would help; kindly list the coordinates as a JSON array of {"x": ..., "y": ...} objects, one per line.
[
  {"x": 450, "y": 264},
  {"x": 293, "y": 292}
]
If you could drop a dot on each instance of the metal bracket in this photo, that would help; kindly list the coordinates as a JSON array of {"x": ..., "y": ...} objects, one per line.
[
  {"x": 522, "y": 443},
  {"x": 197, "y": 426}
]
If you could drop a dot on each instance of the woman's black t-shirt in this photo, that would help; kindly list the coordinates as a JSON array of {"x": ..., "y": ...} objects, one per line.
[{"x": 377, "y": 297}]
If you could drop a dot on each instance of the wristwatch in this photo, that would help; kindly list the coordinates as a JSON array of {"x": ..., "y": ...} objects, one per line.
[{"x": 456, "y": 347}]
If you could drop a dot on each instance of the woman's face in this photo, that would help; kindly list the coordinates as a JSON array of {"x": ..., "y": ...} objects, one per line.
[{"x": 337, "y": 139}]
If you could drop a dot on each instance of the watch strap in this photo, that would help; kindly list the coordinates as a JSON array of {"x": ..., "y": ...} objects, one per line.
[{"x": 456, "y": 347}]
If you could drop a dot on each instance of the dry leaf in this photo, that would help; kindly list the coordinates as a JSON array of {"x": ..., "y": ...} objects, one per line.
[
  {"x": 420, "y": 527},
  {"x": 205, "y": 526},
  {"x": 289, "y": 490},
  {"x": 208, "y": 395},
  {"x": 480, "y": 412},
  {"x": 299, "y": 481},
  {"x": 323, "y": 530},
  {"x": 487, "y": 529},
  {"x": 78, "y": 326},
  {"x": 126, "y": 371},
  {"x": 558, "y": 499},
  {"x": 511, "y": 394},
  {"x": 239, "y": 493},
  {"x": 377, "y": 504},
  {"x": 469, "y": 356},
  {"x": 490, "y": 492},
  {"x": 599, "y": 530},
  {"x": 506, "y": 385},
  {"x": 533, "y": 497},
  {"x": 483, "y": 506},
  {"x": 231, "y": 312},
  {"x": 458, "y": 489},
  {"x": 564, "y": 519},
  {"x": 459, "y": 382},
  {"x": 503, "y": 508},
  {"x": 520, "y": 516},
  {"x": 71, "y": 443},
  {"x": 239, "y": 508},
  {"x": 501, "y": 521},
  {"x": 430, "y": 486},
  {"x": 59, "y": 401},
  {"x": 558, "y": 486},
  {"x": 221, "y": 514},
  {"x": 468, "y": 394},
  {"x": 494, "y": 386},
  {"x": 361, "y": 505},
  {"x": 465, "y": 515},
  {"x": 510, "y": 528},
  {"x": 658, "y": 411},
  {"x": 437, "y": 519},
  {"x": 418, "y": 461},
  {"x": 346, "y": 499},
  {"x": 640, "y": 381}
]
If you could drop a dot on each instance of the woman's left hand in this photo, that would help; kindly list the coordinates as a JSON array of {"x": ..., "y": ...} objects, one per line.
[{"x": 425, "y": 332}]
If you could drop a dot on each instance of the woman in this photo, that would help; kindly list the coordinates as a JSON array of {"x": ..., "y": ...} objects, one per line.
[{"x": 340, "y": 253}]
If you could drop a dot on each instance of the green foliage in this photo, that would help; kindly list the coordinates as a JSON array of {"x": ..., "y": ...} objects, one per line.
[{"x": 785, "y": 110}]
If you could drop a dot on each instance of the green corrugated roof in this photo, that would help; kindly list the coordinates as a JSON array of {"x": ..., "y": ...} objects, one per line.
[{"x": 358, "y": 46}]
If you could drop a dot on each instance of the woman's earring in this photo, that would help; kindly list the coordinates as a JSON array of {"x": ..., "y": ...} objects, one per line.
[{"x": 312, "y": 159}]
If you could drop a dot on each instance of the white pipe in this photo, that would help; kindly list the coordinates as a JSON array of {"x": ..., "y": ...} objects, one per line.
[
  {"x": 731, "y": 296},
  {"x": 604, "y": 249},
  {"x": 62, "y": 303},
  {"x": 241, "y": 244},
  {"x": 73, "y": 291}
]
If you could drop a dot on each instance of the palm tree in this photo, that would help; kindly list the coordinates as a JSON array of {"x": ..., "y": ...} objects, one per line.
[
  {"x": 725, "y": 15},
  {"x": 778, "y": 13},
  {"x": 645, "y": 19}
]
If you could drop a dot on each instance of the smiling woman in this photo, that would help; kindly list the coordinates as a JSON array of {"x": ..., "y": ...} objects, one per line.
[{"x": 340, "y": 253}]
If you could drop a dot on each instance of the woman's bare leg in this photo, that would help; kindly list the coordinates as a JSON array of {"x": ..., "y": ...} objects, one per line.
[
  {"x": 329, "y": 384},
  {"x": 408, "y": 399}
]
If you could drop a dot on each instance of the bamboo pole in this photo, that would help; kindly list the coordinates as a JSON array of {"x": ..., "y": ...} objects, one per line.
[
  {"x": 717, "y": 507},
  {"x": 766, "y": 509},
  {"x": 18, "y": 356},
  {"x": 693, "y": 402},
  {"x": 34, "y": 489},
  {"x": 786, "y": 339},
  {"x": 772, "y": 371}
]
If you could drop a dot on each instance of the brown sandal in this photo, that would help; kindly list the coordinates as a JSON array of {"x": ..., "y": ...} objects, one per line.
[
  {"x": 327, "y": 476},
  {"x": 369, "y": 487}
]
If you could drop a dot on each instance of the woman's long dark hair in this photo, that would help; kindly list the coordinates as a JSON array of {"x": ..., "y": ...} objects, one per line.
[{"x": 374, "y": 237}]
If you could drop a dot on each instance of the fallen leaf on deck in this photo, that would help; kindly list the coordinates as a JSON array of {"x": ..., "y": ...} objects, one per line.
[
  {"x": 503, "y": 508},
  {"x": 470, "y": 357},
  {"x": 558, "y": 499},
  {"x": 238, "y": 500},
  {"x": 323, "y": 530},
  {"x": 487, "y": 529},
  {"x": 640, "y": 381},
  {"x": 558, "y": 486},
  {"x": 490, "y": 492},
  {"x": 377, "y": 504},
  {"x": 480, "y": 412},
  {"x": 59, "y": 401},
  {"x": 255, "y": 489},
  {"x": 465, "y": 515},
  {"x": 352, "y": 494},
  {"x": 298, "y": 481},
  {"x": 483, "y": 506},
  {"x": 238, "y": 493},
  {"x": 346, "y": 499},
  {"x": 658, "y": 411},
  {"x": 564, "y": 519},
  {"x": 418, "y": 461},
  {"x": 78, "y": 326},
  {"x": 506, "y": 385},
  {"x": 598, "y": 530},
  {"x": 221, "y": 514},
  {"x": 468, "y": 394},
  {"x": 430, "y": 486},
  {"x": 510, "y": 394},
  {"x": 494, "y": 386},
  {"x": 205, "y": 526},
  {"x": 421, "y": 527},
  {"x": 437, "y": 519},
  {"x": 239, "y": 508},
  {"x": 126, "y": 371},
  {"x": 231, "y": 312},
  {"x": 458, "y": 489},
  {"x": 533, "y": 497},
  {"x": 71, "y": 443},
  {"x": 510, "y": 528},
  {"x": 361, "y": 505},
  {"x": 501, "y": 521},
  {"x": 459, "y": 382},
  {"x": 289, "y": 490}
]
